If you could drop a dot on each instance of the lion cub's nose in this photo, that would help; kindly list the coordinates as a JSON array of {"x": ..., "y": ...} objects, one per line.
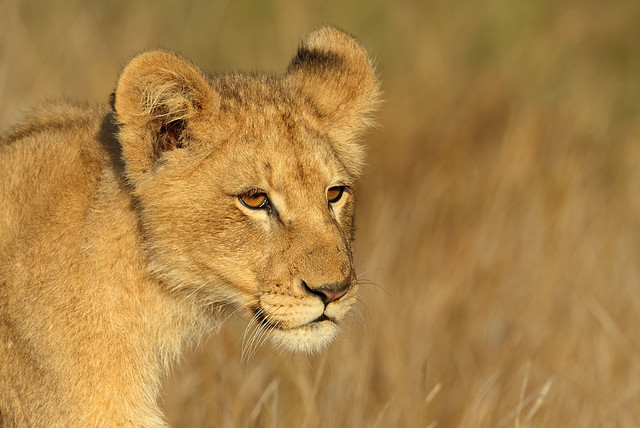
[
  {"x": 329, "y": 292},
  {"x": 329, "y": 296}
]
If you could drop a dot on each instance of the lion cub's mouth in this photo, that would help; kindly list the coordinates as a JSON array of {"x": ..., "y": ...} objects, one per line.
[
  {"x": 302, "y": 335},
  {"x": 262, "y": 320}
]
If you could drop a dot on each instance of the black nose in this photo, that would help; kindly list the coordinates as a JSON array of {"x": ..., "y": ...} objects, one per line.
[{"x": 329, "y": 292}]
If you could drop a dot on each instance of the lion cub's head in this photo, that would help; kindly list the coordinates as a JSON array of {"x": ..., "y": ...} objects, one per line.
[{"x": 245, "y": 182}]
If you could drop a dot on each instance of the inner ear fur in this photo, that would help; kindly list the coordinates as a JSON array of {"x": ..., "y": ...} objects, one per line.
[
  {"x": 159, "y": 99},
  {"x": 333, "y": 71}
]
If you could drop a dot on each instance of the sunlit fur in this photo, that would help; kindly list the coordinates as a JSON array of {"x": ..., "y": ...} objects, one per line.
[{"x": 123, "y": 238}]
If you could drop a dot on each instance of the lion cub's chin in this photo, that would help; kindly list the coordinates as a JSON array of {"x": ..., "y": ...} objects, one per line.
[{"x": 309, "y": 338}]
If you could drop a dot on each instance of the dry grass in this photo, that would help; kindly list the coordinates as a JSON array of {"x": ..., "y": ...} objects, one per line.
[{"x": 499, "y": 224}]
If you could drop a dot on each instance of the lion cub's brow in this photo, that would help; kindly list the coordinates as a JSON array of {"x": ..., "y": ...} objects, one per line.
[{"x": 273, "y": 162}]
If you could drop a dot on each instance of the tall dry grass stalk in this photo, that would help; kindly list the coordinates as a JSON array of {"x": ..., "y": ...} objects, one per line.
[{"x": 499, "y": 220}]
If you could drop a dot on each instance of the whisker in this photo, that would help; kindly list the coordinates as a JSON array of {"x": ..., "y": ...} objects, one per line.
[
  {"x": 367, "y": 271},
  {"x": 247, "y": 337},
  {"x": 357, "y": 315},
  {"x": 366, "y": 282},
  {"x": 259, "y": 338},
  {"x": 360, "y": 303},
  {"x": 228, "y": 317}
]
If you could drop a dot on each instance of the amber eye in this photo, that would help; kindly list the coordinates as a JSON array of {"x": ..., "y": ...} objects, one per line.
[
  {"x": 334, "y": 194},
  {"x": 254, "y": 201}
]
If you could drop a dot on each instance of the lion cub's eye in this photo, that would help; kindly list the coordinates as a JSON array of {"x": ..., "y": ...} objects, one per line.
[
  {"x": 254, "y": 201},
  {"x": 334, "y": 194}
]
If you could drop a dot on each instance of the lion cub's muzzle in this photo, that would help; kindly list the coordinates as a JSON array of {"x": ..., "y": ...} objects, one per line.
[{"x": 303, "y": 309}]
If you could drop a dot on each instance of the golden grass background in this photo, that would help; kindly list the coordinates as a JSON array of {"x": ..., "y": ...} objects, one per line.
[{"x": 499, "y": 219}]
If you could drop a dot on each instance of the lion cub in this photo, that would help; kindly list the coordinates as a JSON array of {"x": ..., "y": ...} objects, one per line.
[{"x": 127, "y": 232}]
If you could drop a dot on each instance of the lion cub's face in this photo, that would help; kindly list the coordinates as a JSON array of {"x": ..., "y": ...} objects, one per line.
[{"x": 245, "y": 183}]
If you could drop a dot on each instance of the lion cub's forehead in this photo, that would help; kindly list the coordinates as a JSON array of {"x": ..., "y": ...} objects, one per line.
[
  {"x": 280, "y": 155},
  {"x": 274, "y": 149},
  {"x": 275, "y": 142}
]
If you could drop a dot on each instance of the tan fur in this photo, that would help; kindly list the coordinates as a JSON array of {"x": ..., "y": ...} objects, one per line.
[{"x": 122, "y": 237}]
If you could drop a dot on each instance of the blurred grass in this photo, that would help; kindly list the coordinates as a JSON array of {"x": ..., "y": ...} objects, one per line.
[{"x": 499, "y": 219}]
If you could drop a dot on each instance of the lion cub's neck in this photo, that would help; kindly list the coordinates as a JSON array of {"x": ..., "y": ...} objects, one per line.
[{"x": 138, "y": 326}]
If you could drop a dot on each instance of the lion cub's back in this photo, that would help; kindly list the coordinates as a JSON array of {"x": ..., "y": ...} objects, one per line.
[{"x": 46, "y": 164}]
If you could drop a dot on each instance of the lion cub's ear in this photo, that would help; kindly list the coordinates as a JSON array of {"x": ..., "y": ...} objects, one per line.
[
  {"x": 162, "y": 102},
  {"x": 333, "y": 71}
]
